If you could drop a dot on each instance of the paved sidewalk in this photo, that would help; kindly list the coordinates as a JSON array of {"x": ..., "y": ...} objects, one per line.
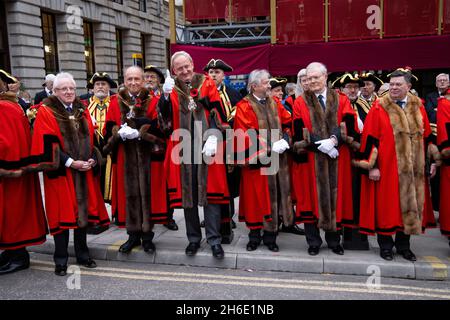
[{"x": 432, "y": 250}]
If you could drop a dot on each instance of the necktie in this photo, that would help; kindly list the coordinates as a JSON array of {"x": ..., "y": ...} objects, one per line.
[
  {"x": 69, "y": 109},
  {"x": 400, "y": 103},
  {"x": 50, "y": 93},
  {"x": 322, "y": 103},
  {"x": 262, "y": 101}
]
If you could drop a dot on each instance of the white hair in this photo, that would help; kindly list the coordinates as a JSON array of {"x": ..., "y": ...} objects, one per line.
[
  {"x": 289, "y": 86},
  {"x": 60, "y": 77},
  {"x": 180, "y": 53},
  {"x": 301, "y": 73},
  {"x": 134, "y": 68},
  {"x": 298, "y": 86},
  {"x": 255, "y": 77},
  {"x": 317, "y": 66},
  {"x": 443, "y": 75}
]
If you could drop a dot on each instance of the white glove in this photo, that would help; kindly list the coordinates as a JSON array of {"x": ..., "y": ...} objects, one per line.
[
  {"x": 169, "y": 83},
  {"x": 210, "y": 147},
  {"x": 326, "y": 145},
  {"x": 280, "y": 146},
  {"x": 132, "y": 134},
  {"x": 122, "y": 131},
  {"x": 126, "y": 132},
  {"x": 333, "y": 153},
  {"x": 360, "y": 125}
]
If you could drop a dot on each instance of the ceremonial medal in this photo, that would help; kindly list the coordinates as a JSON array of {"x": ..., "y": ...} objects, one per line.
[
  {"x": 131, "y": 114},
  {"x": 192, "y": 105}
]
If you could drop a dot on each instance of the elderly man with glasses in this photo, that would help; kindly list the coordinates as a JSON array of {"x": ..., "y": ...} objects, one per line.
[{"x": 63, "y": 139}]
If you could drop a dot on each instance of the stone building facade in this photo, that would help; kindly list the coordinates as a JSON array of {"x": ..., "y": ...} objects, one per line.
[{"x": 81, "y": 37}]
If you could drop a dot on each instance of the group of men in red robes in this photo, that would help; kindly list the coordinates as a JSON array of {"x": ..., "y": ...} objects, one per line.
[{"x": 167, "y": 148}]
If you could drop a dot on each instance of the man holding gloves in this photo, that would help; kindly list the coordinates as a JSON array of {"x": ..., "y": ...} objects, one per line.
[
  {"x": 190, "y": 105},
  {"x": 264, "y": 193},
  {"x": 128, "y": 122},
  {"x": 324, "y": 124}
]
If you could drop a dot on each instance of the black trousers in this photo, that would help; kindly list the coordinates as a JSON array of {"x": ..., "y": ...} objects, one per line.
[
  {"x": 145, "y": 236},
  {"x": 16, "y": 255},
  {"x": 212, "y": 214},
  {"x": 387, "y": 242},
  {"x": 313, "y": 238},
  {"x": 267, "y": 237},
  {"x": 61, "y": 255}
]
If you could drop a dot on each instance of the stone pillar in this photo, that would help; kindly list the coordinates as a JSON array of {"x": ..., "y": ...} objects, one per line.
[
  {"x": 105, "y": 49},
  {"x": 71, "y": 50},
  {"x": 25, "y": 44}
]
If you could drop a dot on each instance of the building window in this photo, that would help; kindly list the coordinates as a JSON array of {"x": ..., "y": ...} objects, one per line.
[
  {"x": 4, "y": 49},
  {"x": 143, "y": 41},
  {"x": 118, "y": 1},
  {"x": 50, "y": 45},
  {"x": 89, "y": 49},
  {"x": 143, "y": 5},
  {"x": 119, "y": 54}
]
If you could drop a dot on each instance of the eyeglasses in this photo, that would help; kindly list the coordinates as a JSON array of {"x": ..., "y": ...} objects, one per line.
[
  {"x": 442, "y": 80},
  {"x": 66, "y": 89}
]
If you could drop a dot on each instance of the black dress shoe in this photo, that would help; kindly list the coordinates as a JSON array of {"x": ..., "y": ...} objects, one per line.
[
  {"x": 252, "y": 246},
  {"x": 148, "y": 246},
  {"x": 60, "y": 270},
  {"x": 294, "y": 229},
  {"x": 217, "y": 251},
  {"x": 408, "y": 255},
  {"x": 13, "y": 266},
  {"x": 338, "y": 250},
  {"x": 273, "y": 247},
  {"x": 4, "y": 258},
  {"x": 313, "y": 250},
  {"x": 129, "y": 245},
  {"x": 171, "y": 225},
  {"x": 387, "y": 254},
  {"x": 192, "y": 249},
  {"x": 89, "y": 263}
]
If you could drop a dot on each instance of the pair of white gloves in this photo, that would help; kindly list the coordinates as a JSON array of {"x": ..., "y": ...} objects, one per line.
[
  {"x": 126, "y": 132},
  {"x": 328, "y": 147}
]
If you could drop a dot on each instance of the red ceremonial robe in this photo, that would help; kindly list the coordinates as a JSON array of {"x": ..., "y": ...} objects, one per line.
[
  {"x": 212, "y": 180},
  {"x": 258, "y": 199},
  {"x": 22, "y": 217},
  {"x": 323, "y": 186},
  {"x": 443, "y": 141},
  {"x": 135, "y": 200},
  {"x": 72, "y": 198},
  {"x": 398, "y": 201},
  {"x": 159, "y": 188}
]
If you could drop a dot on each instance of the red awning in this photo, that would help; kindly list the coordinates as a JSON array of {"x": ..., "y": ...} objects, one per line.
[{"x": 427, "y": 52}]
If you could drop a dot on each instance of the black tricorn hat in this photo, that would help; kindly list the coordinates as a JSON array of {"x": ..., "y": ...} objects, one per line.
[
  {"x": 152, "y": 68},
  {"x": 217, "y": 64},
  {"x": 7, "y": 78},
  {"x": 403, "y": 71},
  {"x": 101, "y": 76},
  {"x": 277, "y": 82},
  {"x": 347, "y": 78},
  {"x": 369, "y": 76}
]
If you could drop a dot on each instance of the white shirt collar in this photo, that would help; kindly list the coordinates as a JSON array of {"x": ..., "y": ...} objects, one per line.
[
  {"x": 48, "y": 91},
  {"x": 324, "y": 94},
  {"x": 258, "y": 99},
  {"x": 133, "y": 95}
]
